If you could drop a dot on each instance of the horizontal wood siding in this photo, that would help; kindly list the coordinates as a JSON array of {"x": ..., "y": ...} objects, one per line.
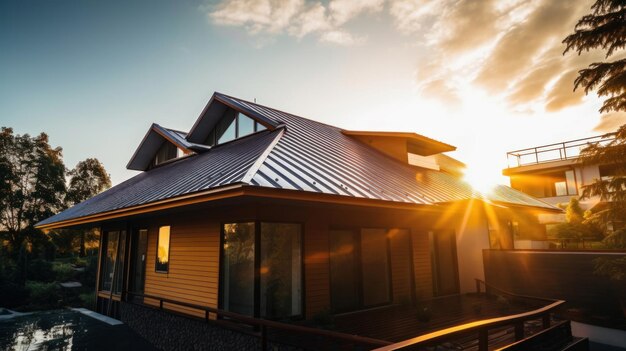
[
  {"x": 422, "y": 264},
  {"x": 193, "y": 274},
  {"x": 400, "y": 265}
]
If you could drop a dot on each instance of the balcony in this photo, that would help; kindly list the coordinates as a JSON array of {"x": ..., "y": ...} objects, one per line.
[{"x": 567, "y": 150}]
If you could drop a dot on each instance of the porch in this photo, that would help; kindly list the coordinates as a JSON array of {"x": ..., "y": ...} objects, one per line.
[{"x": 485, "y": 320}]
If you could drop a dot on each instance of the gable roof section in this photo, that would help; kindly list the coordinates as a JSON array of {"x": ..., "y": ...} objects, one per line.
[
  {"x": 153, "y": 140},
  {"x": 415, "y": 143},
  {"x": 215, "y": 108},
  {"x": 301, "y": 155},
  {"x": 223, "y": 165}
]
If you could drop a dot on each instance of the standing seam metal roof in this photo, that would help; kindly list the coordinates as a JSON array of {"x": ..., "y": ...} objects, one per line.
[{"x": 309, "y": 156}]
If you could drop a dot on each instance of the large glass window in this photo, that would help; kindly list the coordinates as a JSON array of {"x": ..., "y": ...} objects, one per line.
[
  {"x": 110, "y": 249},
  {"x": 343, "y": 271},
  {"x": 239, "y": 126},
  {"x": 375, "y": 266},
  {"x": 238, "y": 268},
  {"x": 561, "y": 183},
  {"x": 162, "y": 262},
  {"x": 112, "y": 273},
  {"x": 281, "y": 266},
  {"x": 277, "y": 261}
]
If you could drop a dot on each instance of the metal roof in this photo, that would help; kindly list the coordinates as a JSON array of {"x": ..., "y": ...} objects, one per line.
[
  {"x": 223, "y": 165},
  {"x": 300, "y": 154}
]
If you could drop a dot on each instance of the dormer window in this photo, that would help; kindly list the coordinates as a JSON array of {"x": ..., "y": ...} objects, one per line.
[
  {"x": 167, "y": 151},
  {"x": 233, "y": 125}
]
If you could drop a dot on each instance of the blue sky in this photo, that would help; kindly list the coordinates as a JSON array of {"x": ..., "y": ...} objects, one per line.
[{"x": 95, "y": 74}]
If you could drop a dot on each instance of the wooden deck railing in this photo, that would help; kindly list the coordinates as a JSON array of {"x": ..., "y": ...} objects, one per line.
[
  {"x": 481, "y": 328},
  {"x": 261, "y": 327}
]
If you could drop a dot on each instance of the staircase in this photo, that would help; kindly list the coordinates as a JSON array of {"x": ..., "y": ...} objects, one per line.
[{"x": 556, "y": 338}]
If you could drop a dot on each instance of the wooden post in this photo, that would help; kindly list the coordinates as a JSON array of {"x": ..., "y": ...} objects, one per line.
[
  {"x": 546, "y": 321},
  {"x": 263, "y": 337},
  {"x": 483, "y": 339},
  {"x": 519, "y": 331}
]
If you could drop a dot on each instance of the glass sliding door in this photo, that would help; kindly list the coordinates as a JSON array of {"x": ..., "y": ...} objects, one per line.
[
  {"x": 238, "y": 268},
  {"x": 281, "y": 270},
  {"x": 344, "y": 293},
  {"x": 139, "y": 248},
  {"x": 261, "y": 270},
  {"x": 375, "y": 267},
  {"x": 110, "y": 242}
]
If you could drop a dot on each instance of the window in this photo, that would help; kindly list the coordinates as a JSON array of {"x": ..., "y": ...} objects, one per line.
[
  {"x": 232, "y": 126},
  {"x": 375, "y": 267},
  {"x": 162, "y": 263},
  {"x": 166, "y": 152},
  {"x": 271, "y": 251},
  {"x": 281, "y": 266},
  {"x": 359, "y": 268},
  {"x": 113, "y": 262},
  {"x": 561, "y": 184}
]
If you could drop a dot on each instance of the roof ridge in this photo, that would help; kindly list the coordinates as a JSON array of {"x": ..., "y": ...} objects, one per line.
[
  {"x": 252, "y": 171},
  {"x": 277, "y": 110}
]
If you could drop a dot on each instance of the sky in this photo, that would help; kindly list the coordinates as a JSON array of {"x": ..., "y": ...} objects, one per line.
[{"x": 486, "y": 76}]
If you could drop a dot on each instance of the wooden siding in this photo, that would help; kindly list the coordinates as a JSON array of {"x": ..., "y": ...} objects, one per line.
[
  {"x": 316, "y": 268},
  {"x": 401, "y": 265},
  {"x": 193, "y": 274},
  {"x": 422, "y": 264}
]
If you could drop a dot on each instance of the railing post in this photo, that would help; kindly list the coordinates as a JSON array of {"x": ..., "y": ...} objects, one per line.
[
  {"x": 263, "y": 337},
  {"x": 161, "y": 304},
  {"x": 206, "y": 315},
  {"x": 483, "y": 339},
  {"x": 536, "y": 156},
  {"x": 519, "y": 331},
  {"x": 546, "y": 321},
  {"x": 477, "y": 285}
]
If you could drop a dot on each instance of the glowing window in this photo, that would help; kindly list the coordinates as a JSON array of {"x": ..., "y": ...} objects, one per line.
[{"x": 163, "y": 250}]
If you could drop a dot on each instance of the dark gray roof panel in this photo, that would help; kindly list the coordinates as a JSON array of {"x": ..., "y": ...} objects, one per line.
[
  {"x": 223, "y": 165},
  {"x": 303, "y": 155}
]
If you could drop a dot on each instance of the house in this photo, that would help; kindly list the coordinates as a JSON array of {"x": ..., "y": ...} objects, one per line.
[
  {"x": 266, "y": 214},
  {"x": 554, "y": 174}
]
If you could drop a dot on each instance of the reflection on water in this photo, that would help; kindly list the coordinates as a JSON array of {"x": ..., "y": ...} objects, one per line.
[{"x": 53, "y": 330}]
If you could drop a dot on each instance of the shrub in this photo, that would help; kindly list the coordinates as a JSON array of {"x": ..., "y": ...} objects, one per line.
[
  {"x": 40, "y": 270},
  {"x": 88, "y": 300},
  {"x": 44, "y": 295},
  {"x": 12, "y": 294},
  {"x": 63, "y": 271}
]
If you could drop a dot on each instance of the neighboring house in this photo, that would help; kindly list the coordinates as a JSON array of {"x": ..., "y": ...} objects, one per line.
[
  {"x": 554, "y": 174},
  {"x": 271, "y": 215}
]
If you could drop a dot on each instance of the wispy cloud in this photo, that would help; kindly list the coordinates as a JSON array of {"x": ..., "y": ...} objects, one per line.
[
  {"x": 296, "y": 18},
  {"x": 510, "y": 49}
]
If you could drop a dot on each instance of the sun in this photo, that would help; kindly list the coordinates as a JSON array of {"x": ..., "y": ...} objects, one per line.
[{"x": 483, "y": 179}]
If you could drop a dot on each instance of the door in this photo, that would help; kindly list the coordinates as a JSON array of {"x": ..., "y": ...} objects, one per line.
[
  {"x": 138, "y": 250},
  {"x": 445, "y": 266}
]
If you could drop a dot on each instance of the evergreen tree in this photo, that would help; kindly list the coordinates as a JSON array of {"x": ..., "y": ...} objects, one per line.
[{"x": 604, "y": 28}]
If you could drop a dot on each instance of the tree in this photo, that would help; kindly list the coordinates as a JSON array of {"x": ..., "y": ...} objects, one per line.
[
  {"x": 604, "y": 28},
  {"x": 32, "y": 182},
  {"x": 87, "y": 179}
]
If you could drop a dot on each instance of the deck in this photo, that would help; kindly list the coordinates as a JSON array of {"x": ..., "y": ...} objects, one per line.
[{"x": 398, "y": 323}]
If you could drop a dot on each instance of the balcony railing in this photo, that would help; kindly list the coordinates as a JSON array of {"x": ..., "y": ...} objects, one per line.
[{"x": 553, "y": 152}]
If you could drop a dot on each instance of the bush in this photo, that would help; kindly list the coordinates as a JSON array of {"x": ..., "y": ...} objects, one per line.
[
  {"x": 88, "y": 300},
  {"x": 12, "y": 294},
  {"x": 63, "y": 271},
  {"x": 44, "y": 295},
  {"x": 88, "y": 277},
  {"x": 40, "y": 270}
]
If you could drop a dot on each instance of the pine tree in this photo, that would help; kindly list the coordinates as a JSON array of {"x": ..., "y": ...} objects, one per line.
[{"x": 604, "y": 28}]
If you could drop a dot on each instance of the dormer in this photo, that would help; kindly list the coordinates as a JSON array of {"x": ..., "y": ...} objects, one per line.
[
  {"x": 161, "y": 145},
  {"x": 225, "y": 118}
]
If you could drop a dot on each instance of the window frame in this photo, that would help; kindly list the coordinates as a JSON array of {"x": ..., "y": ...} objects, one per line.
[
  {"x": 169, "y": 247},
  {"x": 257, "y": 265},
  {"x": 356, "y": 234}
]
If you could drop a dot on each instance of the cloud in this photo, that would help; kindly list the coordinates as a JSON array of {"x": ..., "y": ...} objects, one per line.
[
  {"x": 341, "y": 38},
  {"x": 441, "y": 89},
  {"x": 344, "y": 10},
  {"x": 610, "y": 122},
  {"x": 295, "y": 18}
]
